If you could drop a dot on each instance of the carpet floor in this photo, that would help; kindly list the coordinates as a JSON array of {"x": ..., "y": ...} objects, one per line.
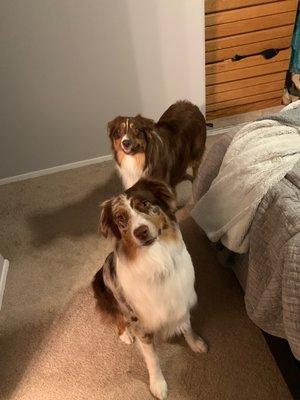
[{"x": 53, "y": 344}]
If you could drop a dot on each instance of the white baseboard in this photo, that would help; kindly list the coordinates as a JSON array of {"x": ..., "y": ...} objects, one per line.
[
  {"x": 58, "y": 168},
  {"x": 90, "y": 161},
  {"x": 4, "y": 264}
]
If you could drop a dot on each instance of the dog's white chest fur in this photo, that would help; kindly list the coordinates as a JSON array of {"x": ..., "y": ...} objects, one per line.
[
  {"x": 160, "y": 285},
  {"x": 130, "y": 171}
]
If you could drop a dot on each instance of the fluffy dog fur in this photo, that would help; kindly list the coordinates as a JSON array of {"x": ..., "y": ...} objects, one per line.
[
  {"x": 162, "y": 150},
  {"x": 146, "y": 286}
]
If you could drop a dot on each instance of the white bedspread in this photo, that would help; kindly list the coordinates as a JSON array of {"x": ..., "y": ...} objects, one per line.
[{"x": 259, "y": 156}]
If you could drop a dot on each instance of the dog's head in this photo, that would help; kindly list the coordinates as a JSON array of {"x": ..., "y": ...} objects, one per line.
[
  {"x": 140, "y": 216},
  {"x": 130, "y": 134}
]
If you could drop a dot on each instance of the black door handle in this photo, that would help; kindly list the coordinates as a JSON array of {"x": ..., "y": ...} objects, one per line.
[{"x": 267, "y": 54}]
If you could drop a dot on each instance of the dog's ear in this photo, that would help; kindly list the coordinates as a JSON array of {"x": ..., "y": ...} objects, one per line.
[
  {"x": 162, "y": 192},
  {"x": 146, "y": 125},
  {"x": 114, "y": 127},
  {"x": 108, "y": 227}
]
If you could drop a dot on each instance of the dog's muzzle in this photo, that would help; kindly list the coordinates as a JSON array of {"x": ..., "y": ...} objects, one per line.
[
  {"x": 142, "y": 233},
  {"x": 126, "y": 145}
]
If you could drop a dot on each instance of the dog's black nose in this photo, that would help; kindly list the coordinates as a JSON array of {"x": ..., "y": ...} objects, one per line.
[
  {"x": 142, "y": 232},
  {"x": 126, "y": 143}
]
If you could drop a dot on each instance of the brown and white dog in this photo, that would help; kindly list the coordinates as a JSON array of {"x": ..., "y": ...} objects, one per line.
[
  {"x": 146, "y": 285},
  {"x": 162, "y": 150}
]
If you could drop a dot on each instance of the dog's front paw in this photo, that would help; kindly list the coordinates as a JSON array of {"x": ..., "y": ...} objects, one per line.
[
  {"x": 126, "y": 337},
  {"x": 198, "y": 345},
  {"x": 159, "y": 388}
]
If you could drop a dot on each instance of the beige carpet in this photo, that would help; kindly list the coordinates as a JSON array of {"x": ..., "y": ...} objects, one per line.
[{"x": 48, "y": 232}]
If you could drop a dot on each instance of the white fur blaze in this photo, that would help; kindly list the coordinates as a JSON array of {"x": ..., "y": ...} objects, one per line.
[
  {"x": 130, "y": 172},
  {"x": 161, "y": 287}
]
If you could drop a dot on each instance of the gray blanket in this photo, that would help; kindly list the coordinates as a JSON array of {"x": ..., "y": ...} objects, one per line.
[
  {"x": 289, "y": 116},
  {"x": 272, "y": 291},
  {"x": 273, "y": 285}
]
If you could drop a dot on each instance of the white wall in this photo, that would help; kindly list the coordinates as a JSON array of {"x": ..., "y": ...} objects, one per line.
[{"x": 69, "y": 66}]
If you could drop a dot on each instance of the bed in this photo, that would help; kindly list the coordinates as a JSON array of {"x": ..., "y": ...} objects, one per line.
[{"x": 270, "y": 271}]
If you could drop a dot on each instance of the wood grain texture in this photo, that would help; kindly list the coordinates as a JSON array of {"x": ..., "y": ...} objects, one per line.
[
  {"x": 229, "y": 65},
  {"x": 239, "y": 14},
  {"x": 246, "y": 28},
  {"x": 220, "y": 5},
  {"x": 241, "y": 92},
  {"x": 247, "y": 38},
  {"x": 249, "y": 25},
  {"x": 247, "y": 49},
  {"x": 259, "y": 105},
  {"x": 249, "y": 72},
  {"x": 243, "y": 100},
  {"x": 245, "y": 83}
]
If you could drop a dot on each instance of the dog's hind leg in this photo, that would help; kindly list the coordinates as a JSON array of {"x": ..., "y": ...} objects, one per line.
[{"x": 158, "y": 385}]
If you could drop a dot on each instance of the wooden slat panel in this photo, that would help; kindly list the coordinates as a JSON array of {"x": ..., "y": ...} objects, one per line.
[
  {"x": 256, "y": 70},
  {"x": 259, "y": 105},
  {"x": 246, "y": 38},
  {"x": 249, "y": 25},
  {"x": 229, "y": 65},
  {"x": 243, "y": 100},
  {"x": 220, "y": 5},
  {"x": 244, "y": 83},
  {"x": 275, "y": 8},
  {"x": 250, "y": 91},
  {"x": 252, "y": 48}
]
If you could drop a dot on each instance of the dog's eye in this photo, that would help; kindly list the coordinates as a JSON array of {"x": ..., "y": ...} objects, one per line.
[
  {"x": 121, "y": 221},
  {"x": 140, "y": 132},
  {"x": 117, "y": 134},
  {"x": 120, "y": 217},
  {"x": 145, "y": 204}
]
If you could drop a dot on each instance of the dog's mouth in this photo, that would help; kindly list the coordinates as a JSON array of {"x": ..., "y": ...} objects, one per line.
[
  {"x": 126, "y": 150},
  {"x": 149, "y": 242},
  {"x": 130, "y": 150}
]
